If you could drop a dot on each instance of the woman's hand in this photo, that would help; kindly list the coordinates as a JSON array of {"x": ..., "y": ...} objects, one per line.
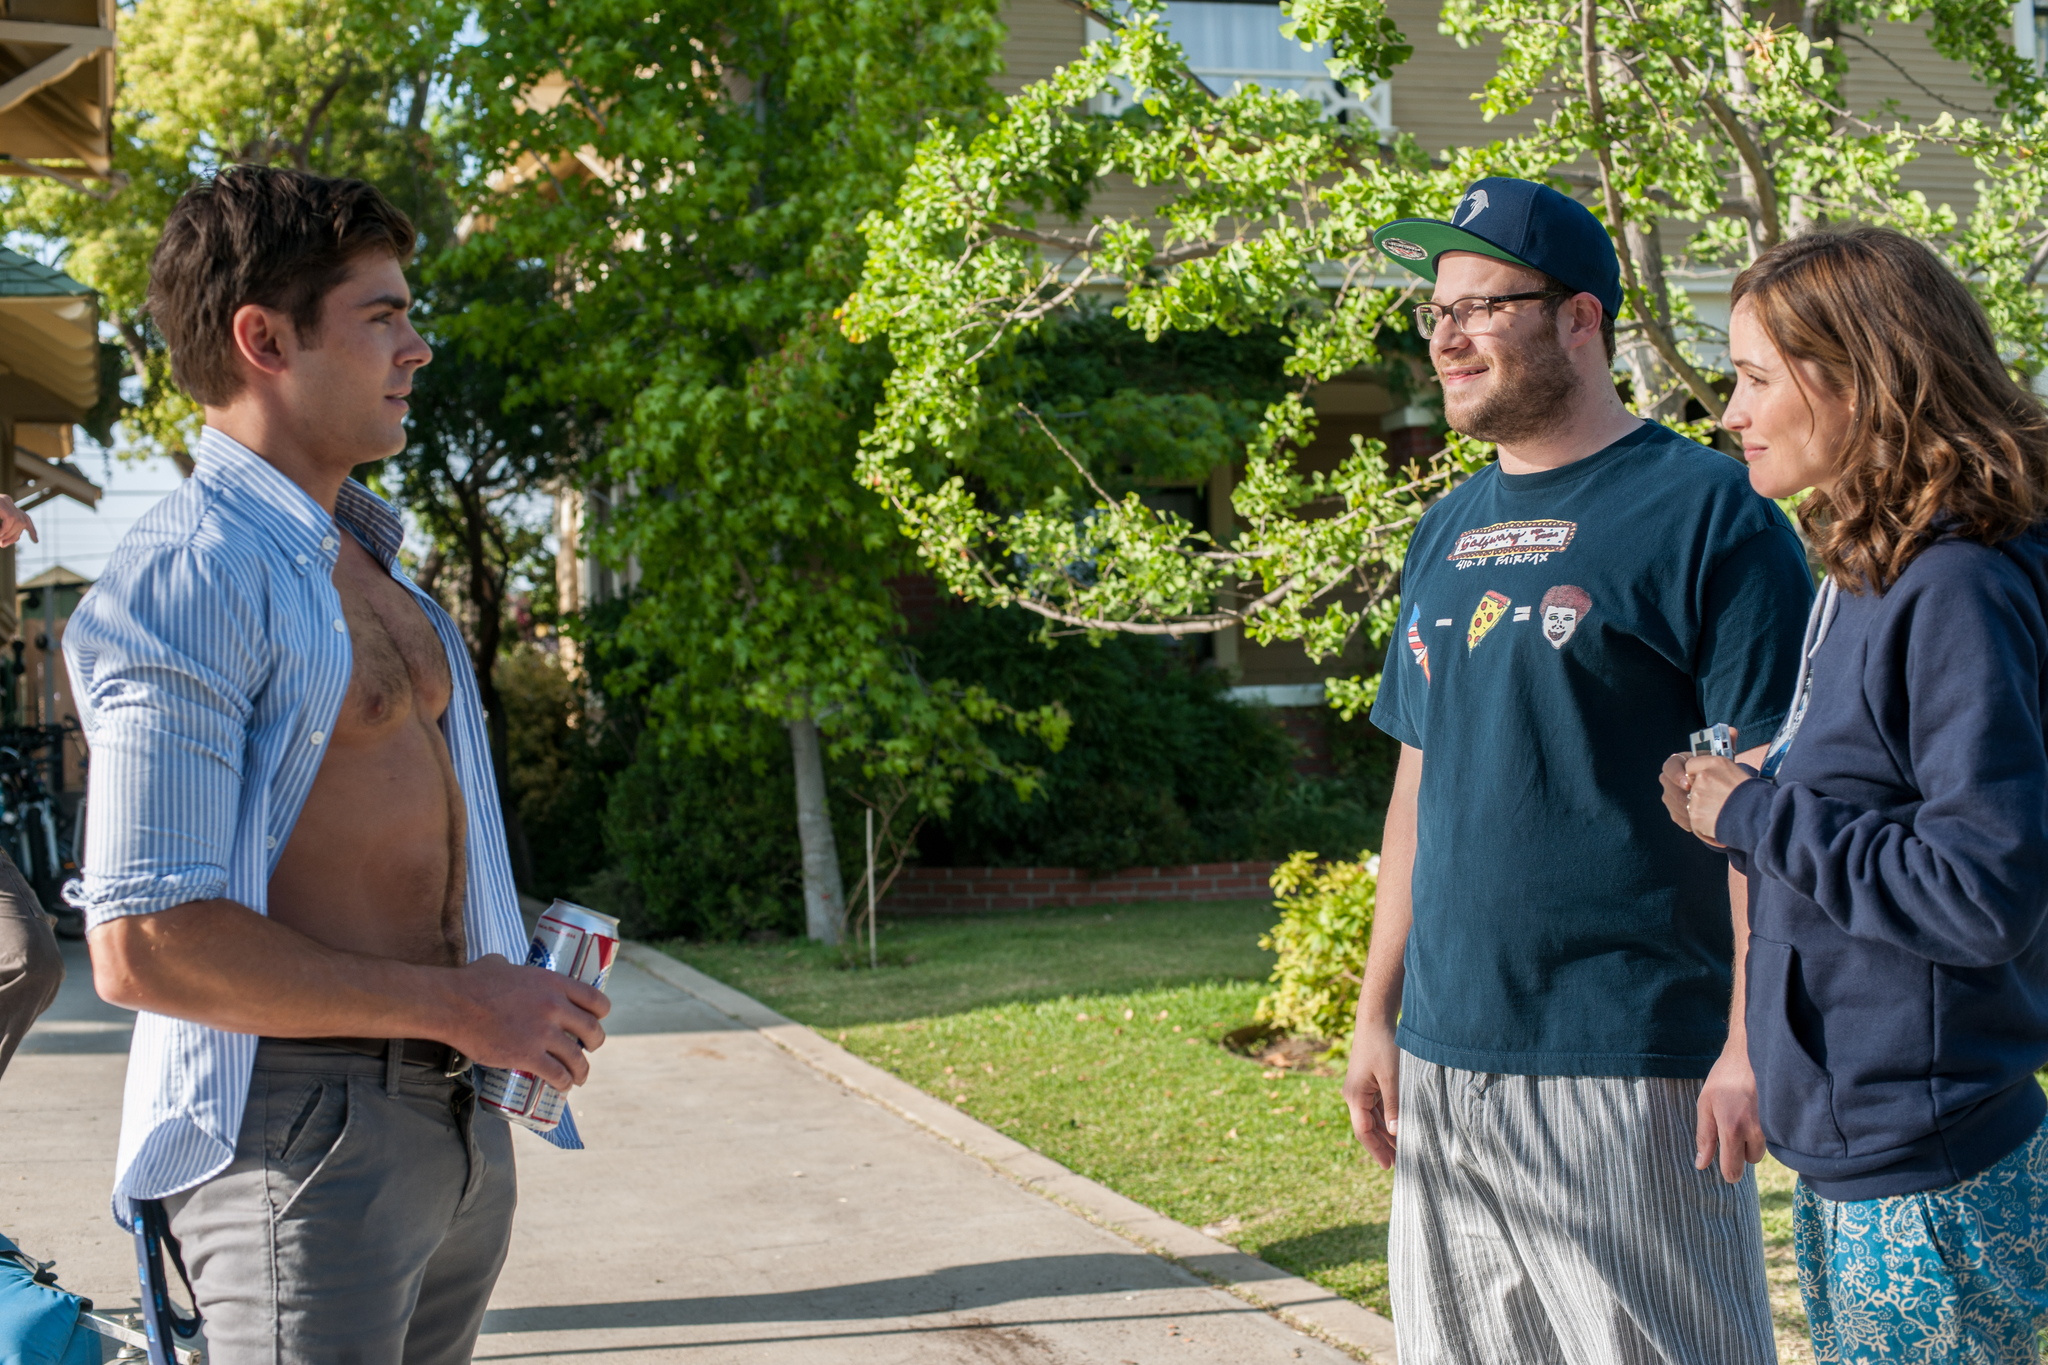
[
  {"x": 1707, "y": 782},
  {"x": 1677, "y": 786},
  {"x": 14, "y": 521},
  {"x": 1676, "y": 781}
]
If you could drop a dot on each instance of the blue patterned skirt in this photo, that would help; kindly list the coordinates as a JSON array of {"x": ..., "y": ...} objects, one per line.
[{"x": 1955, "y": 1276}]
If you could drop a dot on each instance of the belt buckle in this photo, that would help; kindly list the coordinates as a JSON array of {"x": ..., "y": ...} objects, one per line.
[{"x": 458, "y": 1064}]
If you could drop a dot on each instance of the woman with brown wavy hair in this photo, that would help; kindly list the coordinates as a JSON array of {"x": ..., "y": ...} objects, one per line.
[{"x": 1896, "y": 840}]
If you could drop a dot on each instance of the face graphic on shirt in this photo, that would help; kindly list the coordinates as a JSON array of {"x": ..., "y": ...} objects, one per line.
[{"x": 1564, "y": 606}]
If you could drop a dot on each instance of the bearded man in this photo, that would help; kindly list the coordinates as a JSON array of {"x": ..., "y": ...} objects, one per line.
[{"x": 1549, "y": 1047}]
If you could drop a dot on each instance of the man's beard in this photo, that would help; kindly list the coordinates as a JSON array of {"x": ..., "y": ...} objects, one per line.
[{"x": 1529, "y": 395}]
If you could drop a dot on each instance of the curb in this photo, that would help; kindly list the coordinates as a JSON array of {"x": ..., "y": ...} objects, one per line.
[{"x": 1309, "y": 1307}]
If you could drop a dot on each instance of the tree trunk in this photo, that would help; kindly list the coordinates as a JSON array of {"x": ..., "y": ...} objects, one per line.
[
  {"x": 824, "y": 893},
  {"x": 487, "y": 601}
]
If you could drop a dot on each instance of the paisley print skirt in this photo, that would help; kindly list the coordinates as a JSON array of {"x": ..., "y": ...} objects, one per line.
[{"x": 1955, "y": 1276}]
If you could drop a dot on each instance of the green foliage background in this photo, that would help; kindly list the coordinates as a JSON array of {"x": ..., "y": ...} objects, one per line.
[{"x": 1160, "y": 766}]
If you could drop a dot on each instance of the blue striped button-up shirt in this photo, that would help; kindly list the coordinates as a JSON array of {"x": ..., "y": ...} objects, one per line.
[{"x": 210, "y": 662}]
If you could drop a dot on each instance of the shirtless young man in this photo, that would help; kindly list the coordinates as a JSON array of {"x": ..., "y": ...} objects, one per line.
[{"x": 295, "y": 867}]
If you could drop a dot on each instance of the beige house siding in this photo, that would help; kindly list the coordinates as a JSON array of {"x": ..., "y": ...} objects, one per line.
[
  {"x": 1925, "y": 85},
  {"x": 1433, "y": 91},
  {"x": 1044, "y": 36},
  {"x": 1432, "y": 99}
]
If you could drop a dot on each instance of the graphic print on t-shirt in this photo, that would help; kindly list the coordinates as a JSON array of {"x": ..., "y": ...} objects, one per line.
[
  {"x": 1564, "y": 606},
  {"x": 1415, "y": 645},
  {"x": 1485, "y": 617},
  {"x": 1671, "y": 591},
  {"x": 1512, "y": 542}
]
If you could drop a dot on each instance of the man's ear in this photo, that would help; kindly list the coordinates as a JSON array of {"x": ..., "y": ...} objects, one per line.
[
  {"x": 263, "y": 337},
  {"x": 1580, "y": 320}
]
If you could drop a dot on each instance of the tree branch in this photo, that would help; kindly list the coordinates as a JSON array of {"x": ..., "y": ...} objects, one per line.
[
  {"x": 1082, "y": 246},
  {"x": 2034, "y": 266},
  {"x": 1911, "y": 80},
  {"x": 302, "y": 150},
  {"x": 1752, "y": 161},
  {"x": 1596, "y": 110}
]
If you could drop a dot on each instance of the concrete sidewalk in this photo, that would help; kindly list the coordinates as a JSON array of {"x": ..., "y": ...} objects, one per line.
[{"x": 742, "y": 1200}]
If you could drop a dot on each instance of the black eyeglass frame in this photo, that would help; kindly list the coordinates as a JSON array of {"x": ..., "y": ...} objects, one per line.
[{"x": 1429, "y": 315}]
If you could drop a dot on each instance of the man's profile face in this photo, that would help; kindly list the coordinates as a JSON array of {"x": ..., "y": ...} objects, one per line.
[
  {"x": 1558, "y": 624},
  {"x": 1513, "y": 381},
  {"x": 352, "y": 377}
]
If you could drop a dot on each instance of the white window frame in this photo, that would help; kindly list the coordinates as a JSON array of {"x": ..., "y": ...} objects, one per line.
[
  {"x": 2030, "y": 32},
  {"x": 1375, "y": 106}
]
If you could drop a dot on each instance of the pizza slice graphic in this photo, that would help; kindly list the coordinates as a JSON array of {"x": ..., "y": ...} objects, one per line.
[{"x": 1485, "y": 617}]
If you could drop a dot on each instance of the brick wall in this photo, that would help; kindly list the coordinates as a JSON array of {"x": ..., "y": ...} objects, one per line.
[{"x": 970, "y": 890}]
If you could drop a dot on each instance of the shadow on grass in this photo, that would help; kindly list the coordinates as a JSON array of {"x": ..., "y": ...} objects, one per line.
[
  {"x": 935, "y": 966},
  {"x": 1328, "y": 1248}
]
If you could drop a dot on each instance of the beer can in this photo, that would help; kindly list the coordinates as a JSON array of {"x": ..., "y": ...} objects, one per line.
[{"x": 575, "y": 941}]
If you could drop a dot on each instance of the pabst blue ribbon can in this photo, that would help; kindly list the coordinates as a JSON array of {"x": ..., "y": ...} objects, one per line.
[{"x": 575, "y": 941}]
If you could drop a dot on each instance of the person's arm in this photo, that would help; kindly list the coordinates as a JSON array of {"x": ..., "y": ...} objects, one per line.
[
  {"x": 1960, "y": 883},
  {"x": 221, "y": 964},
  {"x": 1728, "y": 1127},
  {"x": 1372, "y": 1081}
]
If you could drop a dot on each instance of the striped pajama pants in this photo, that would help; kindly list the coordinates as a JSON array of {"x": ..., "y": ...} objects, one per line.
[{"x": 1558, "y": 1220}]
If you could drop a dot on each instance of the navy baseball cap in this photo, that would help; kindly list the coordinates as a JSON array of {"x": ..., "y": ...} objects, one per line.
[{"x": 1519, "y": 221}]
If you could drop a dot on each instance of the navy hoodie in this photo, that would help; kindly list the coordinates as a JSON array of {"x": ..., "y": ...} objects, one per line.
[{"x": 1898, "y": 875}]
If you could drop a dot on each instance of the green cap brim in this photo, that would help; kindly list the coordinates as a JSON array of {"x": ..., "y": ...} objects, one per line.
[{"x": 1427, "y": 239}]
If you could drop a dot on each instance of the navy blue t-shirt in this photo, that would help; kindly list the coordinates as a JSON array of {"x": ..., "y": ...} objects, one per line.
[{"x": 1561, "y": 634}]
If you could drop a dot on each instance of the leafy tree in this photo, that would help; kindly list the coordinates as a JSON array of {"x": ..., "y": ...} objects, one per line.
[
  {"x": 1663, "y": 112},
  {"x": 334, "y": 86},
  {"x": 483, "y": 443},
  {"x": 696, "y": 184},
  {"x": 337, "y": 87}
]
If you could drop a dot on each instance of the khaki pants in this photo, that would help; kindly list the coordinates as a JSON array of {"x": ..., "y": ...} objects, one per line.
[
  {"x": 31, "y": 967},
  {"x": 361, "y": 1221}
]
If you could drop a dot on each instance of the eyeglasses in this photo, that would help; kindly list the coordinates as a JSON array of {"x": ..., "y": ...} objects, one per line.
[{"x": 1473, "y": 315}]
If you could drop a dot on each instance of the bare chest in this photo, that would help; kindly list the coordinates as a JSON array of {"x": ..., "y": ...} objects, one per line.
[{"x": 399, "y": 671}]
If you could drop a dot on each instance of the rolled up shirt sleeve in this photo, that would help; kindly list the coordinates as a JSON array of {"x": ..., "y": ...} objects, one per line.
[{"x": 166, "y": 656}]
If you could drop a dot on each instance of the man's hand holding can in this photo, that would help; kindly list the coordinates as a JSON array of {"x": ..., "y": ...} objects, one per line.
[
  {"x": 580, "y": 944},
  {"x": 538, "y": 1021}
]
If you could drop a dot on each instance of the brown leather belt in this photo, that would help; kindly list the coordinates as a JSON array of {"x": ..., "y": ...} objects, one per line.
[{"x": 444, "y": 1060}]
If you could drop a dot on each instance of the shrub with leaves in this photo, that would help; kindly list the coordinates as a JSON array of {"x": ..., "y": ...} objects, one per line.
[{"x": 1325, "y": 925}]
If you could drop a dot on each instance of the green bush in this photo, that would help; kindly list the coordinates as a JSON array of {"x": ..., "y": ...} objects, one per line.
[
  {"x": 684, "y": 846},
  {"x": 1160, "y": 766},
  {"x": 556, "y": 767},
  {"x": 708, "y": 844},
  {"x": 1324, "y": 929}
]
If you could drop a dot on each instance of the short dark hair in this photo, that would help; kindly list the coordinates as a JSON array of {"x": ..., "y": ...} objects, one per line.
[
  {"x": 259, "y": 234},
  {"x": 1562, "y": 292}
]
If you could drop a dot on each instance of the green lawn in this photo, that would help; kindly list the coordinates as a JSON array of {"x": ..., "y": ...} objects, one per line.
[{"x": 1094, "y": 1036}]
